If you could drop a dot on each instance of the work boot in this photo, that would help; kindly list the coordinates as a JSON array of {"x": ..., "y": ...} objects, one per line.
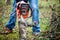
[{"x": 6, "y": 31}]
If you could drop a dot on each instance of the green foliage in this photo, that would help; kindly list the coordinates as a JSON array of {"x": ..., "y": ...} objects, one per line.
[{"x": 1, "y": 3}]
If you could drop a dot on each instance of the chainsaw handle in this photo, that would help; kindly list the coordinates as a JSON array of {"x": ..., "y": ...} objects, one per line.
[{"x": 31, "y": 11}]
